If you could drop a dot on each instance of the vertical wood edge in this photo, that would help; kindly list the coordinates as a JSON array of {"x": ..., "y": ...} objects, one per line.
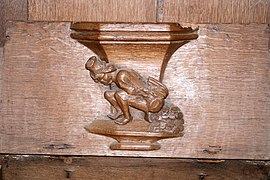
[
  {"x": 268, "y": 30},
  {"x": 159, "y": 10},
  {"x": 1, "y": 172},
  {"x": 2, "y": 23}
]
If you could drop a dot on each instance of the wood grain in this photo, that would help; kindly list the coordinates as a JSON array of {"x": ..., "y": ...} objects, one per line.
[
  {"x": 192, "y": 11},
  {"x": 2, "y": 24},
  {"x": 45, "y": 167},
  {"x": 216, "y": 11},
  {"x": 16, "y": 9},
  {"x": 93, "y": 10},
  {"x": 11, "y": 10},
  {"x": 1, "y": 65},
  {"x": 220, "y": 81}
]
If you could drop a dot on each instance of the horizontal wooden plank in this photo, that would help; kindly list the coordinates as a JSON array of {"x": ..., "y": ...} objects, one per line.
[
  {"x": 220, "y": 81},
  {"x": 216, "y": 11},
  {"x": 48, "y": 167},
  {"x": 193, "y": 11},
  {"x": 93, "y": 10}
]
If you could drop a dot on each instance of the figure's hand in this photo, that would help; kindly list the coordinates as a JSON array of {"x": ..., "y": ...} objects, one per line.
[{"x": 141, "y": 92}]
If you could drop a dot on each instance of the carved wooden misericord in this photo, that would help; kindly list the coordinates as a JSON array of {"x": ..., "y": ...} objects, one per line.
[{"x": 140, "y": 115}]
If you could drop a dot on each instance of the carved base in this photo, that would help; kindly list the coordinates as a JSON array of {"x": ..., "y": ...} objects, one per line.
[
  {"x": 139, "y": 146},
  {"x": 136, "y": 135}
]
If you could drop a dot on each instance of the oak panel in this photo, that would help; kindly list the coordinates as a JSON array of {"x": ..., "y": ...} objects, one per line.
[
  {"x": 216, "y": 11},
  {"x": 11, "y": 10},
  {"x": 93, "y": 10},
  {"x": 2, "y": 24},
  {"x": 220, "y": 81}
]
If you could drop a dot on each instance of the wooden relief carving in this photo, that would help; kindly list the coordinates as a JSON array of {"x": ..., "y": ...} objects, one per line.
[
  {"x": 140, "y": 115},
  {"x": 132, "y": 90}
]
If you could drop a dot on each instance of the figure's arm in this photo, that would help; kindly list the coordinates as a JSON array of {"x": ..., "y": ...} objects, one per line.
[{"x": 131, "y": 83}]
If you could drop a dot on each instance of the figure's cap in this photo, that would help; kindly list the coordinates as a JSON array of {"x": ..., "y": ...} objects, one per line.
[{"x": 96, "y": 65}]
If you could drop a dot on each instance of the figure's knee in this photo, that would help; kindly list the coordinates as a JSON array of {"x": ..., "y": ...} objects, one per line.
[
  {"x": 121, "y": 95},
  {"x": 109, "y": 94}
]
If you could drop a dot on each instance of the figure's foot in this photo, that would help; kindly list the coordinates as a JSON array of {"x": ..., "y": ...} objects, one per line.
[
  {"x": 147, "y": 117},
  {"x": 123, "y": 121},
  {"x": 114, "y": 116}
]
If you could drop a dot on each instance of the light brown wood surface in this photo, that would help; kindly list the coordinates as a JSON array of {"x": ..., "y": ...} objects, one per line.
[
  {"x": 216, "y": 11},
  {"x": 16, "y": 9},
  {"x": 11, "y": 10},
  {"x": 220, "y": 81},
  {"x": 184, "y": 11},
  {"x": 193, "y": 11},
  {"x": 2, "y": 23},
  {"x": 49, "y": 167},
  {"x": 93, "y": 10},
  {"x": 1, "y": 64}
]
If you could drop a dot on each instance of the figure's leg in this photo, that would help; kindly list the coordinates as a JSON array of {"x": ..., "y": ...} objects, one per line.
[
  {"x": 147, "y": 117},
  {"x": 121, "y": 98},
  {"x": 141, "y": 104},
  {"x": 109, "y": 96}
]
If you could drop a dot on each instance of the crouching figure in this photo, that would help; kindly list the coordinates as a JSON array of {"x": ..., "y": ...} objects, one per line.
[{"x": 147, "y": 95}]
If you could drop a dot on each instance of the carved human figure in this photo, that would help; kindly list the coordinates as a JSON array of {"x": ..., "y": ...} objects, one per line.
[{"x": 132, "y": 90}]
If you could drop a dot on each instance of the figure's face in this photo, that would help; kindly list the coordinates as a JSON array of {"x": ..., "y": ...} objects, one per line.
[{"x": 104, "y": 78}]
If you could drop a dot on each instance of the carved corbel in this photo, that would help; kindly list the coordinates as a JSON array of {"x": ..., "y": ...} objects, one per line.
[{"x": 119, "y": 45}]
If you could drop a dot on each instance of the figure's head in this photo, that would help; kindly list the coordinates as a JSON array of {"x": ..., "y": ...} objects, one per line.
[{"x": 100, "y": 71}]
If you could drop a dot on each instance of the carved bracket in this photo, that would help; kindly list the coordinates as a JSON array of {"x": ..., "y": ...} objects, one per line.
[{"x": 122, "y": 43}]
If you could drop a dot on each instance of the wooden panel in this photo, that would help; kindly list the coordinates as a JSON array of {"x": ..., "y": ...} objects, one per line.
[
  {"x": 220, "y": 81},
  {"x": 1, "y": 64},
  {"x": 216, "y": 11},
  {"x": 16, "y": 9},
  {"x": 194, "y": 11},
  {"x": 11, "y": 10},
  {"x": 2, "y": 25},
  {"x": 93, "y": 10},
  {"x": 40, "y": 167}
]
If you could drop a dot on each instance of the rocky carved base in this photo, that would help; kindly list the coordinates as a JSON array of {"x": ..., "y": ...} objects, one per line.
[{"x": 139, "y": 135}]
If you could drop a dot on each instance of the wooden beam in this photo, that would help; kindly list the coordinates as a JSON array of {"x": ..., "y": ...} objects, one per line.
[
  {"x": 49, "y": 167},
  {"x": 216, "y": 11},
  {"x": 93, "y": 10},
  {"x": 193, "y": 11}
]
